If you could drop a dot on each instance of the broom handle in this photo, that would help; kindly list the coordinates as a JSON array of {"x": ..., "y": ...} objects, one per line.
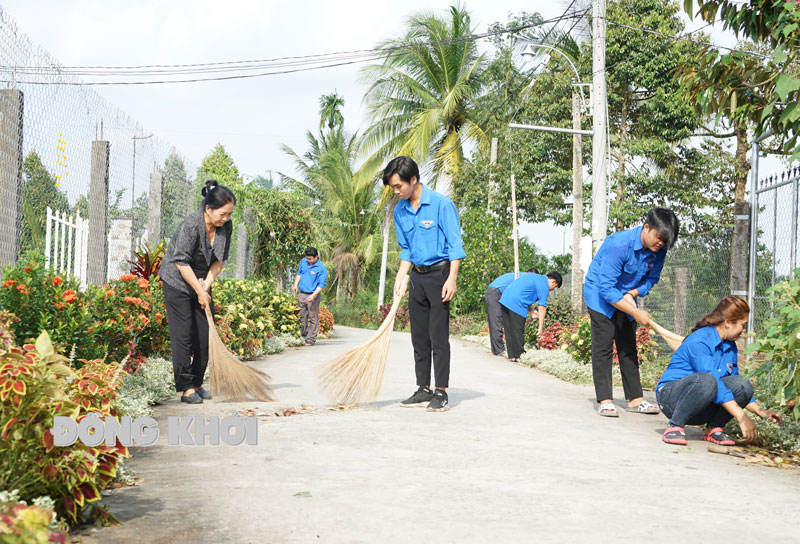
[
  {"x": 209, "y": 316},
  {"x": 392, "y": 312}
]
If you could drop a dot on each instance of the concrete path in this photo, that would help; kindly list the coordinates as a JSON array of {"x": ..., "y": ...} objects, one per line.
[{"x": 520, "y": 457}]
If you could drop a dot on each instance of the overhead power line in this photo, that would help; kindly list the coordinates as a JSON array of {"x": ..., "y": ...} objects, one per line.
[{"x": 234, "y": 69}]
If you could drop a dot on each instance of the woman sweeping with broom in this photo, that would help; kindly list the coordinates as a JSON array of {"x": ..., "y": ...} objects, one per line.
[{"x": 194, "y": 258}]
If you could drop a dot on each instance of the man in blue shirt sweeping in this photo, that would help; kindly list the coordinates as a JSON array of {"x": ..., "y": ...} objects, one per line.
[
  {"x": 494, "y": 311},
  {"x": 429, "y": 236},
  {"x": 626, "y": 266},
  {"x": 311, "y": 278},
  {"x": 515, "y": 303}
]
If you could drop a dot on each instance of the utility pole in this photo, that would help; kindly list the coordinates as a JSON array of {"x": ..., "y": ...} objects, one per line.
[
  {"x": 577, "y": 205},
  {"x": 492, "y": 161},
  {"x": 599, "y": 143}
]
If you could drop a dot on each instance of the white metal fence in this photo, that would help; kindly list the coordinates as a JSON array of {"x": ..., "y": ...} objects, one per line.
[{"x": 66, "y": 244}]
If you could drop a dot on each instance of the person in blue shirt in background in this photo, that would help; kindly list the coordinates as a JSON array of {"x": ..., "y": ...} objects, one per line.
[
  {"x": 515, "y": 303},
  {"x": 494, "y": 311},
  {"x": 626, "y": 266},
  {"x": 429, "y": 236},
  {"x": 702, "y": 385},
  {"x": 312, "y": 276}
]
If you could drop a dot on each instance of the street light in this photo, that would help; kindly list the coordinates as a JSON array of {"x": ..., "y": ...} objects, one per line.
[
  {"x": 577, "y": 169},
  {"x": 133, "y": 189}
]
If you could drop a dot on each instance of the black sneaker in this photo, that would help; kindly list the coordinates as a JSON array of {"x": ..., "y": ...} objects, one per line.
[
  {"x": 205, "y": 395},
  {"x": 423, "y": 395},
  {"x": 439, "y": 402},
  {"x": 194, "y": 398}
]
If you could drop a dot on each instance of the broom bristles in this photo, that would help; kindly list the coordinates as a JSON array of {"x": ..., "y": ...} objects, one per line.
[
  {"x": 231, "y": 380},
  {"x": 674, "y": 340},
  {"x": 357, "y": 375}
]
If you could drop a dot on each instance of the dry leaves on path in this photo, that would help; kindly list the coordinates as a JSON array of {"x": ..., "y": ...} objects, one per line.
[{"x": 302, "y": 409}]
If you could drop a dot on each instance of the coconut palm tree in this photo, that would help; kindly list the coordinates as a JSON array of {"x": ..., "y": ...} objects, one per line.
[
  {"x": 330, "y": 110},
  {"x": 421, "y": 96},
  {"x": 346, "y": 203}
]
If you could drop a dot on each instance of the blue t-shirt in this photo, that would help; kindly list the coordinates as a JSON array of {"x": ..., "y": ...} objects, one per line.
[
  {"x": 524, "y": 291},
  {"x": 311, "y": 276},
  {"x": 621, "y": 264},
  {"x": 704, "y": 351},
  {"x": 504, "y": 281},
  {"x": 430, "y": 234}
]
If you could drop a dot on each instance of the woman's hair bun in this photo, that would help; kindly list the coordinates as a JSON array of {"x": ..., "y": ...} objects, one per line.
[{"x": 210, "y": 184}]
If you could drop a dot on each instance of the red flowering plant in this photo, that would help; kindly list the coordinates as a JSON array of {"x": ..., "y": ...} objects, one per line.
[
  {"x": 130, "y": 318},
  {"x": 37, "y": 384},
  {"x": 45, "y": 300},
  {"x": 551, "y": 336}
]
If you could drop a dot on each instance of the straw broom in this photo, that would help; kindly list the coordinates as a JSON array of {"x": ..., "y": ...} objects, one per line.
[
  {"x": 232, "y": 380},
  {"x": 674, "y": 340},
  {"x": 357, "y": 374}
]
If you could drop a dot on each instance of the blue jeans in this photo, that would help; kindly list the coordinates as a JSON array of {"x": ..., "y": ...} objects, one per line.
[{"x": 690, "y": 400}]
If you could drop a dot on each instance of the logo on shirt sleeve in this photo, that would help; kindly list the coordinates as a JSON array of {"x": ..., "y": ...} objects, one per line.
[{"x": 427, "y": 224}]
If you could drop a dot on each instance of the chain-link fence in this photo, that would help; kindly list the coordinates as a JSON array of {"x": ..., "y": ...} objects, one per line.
[
  {"x": 63, "y": 145},
  {"x": 775, "y": 241}
]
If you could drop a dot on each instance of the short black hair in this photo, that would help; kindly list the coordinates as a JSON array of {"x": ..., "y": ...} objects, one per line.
[
  {"x": 311, "y": 252},
  {"x": 405, "y": 167},
  {"x": 533, "y": 270},
  {"x": 215, "y": 195},
  {"x": 556, "y": 276},
  {"x": 666, "y": 224}
]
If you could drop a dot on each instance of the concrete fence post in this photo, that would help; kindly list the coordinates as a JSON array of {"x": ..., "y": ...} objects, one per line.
[
  {"x": 11, "y": 110},
  {"x": 154, "y": 219},
  {"x": 98, "y": 214}
]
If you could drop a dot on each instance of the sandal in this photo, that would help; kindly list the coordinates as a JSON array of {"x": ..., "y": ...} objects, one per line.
[
  {"x": 674, "y": 435},
  {"x": 643, "y": 408},
  {"x": 718, "y": 436},
  {"x": 607, "y": 410}
]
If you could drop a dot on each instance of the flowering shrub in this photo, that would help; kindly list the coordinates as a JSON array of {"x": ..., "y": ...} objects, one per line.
[
  {"x": 35, "y": 386},
  {"x": 130, "y": 318},
  {"x": 401, "y": 318},
  {"x": 577, "y": 340},
  {"x": 551, "y": 336},
  {"x": 325, "y": 321},
  {"x": 44, "y": 301},
  {"x": 124, "y": 317},
  {"x": 248, "y": 311},
  {"x": 23, "y": 523}
]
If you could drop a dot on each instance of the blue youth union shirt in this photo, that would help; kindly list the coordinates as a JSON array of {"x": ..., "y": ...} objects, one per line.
[
  {"x": 501, "y": 282},
  {"x": 621, "y": 264},
  {"x": 704, "y": 351},
  {"x": 430, "y": 234},
  {"x": 311, "y": 276},
  {"x": 524, "y": 291}
]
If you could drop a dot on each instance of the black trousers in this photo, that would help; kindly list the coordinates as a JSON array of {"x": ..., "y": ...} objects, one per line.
[
  {"x": 514, "y": 325},
  {"x": 188, "y": 334},
  {"x": 605, "y": 333},
  {"x": 430, "y": 326},
  {"x": 494, "y": 311}
]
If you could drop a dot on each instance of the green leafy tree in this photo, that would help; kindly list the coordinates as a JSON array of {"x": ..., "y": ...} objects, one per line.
[
  {"x": 280, "y": 230},
  {"x": 421, "y": 98},
  {"x": 39, "y": 190},
  {"x": 648, "y": 112},
  {"x": 345, "y": 201},
  {"x": 776, "y": 84},
  {"x": 219, "y": 165},
  {"x": 176, "y": 196}
]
